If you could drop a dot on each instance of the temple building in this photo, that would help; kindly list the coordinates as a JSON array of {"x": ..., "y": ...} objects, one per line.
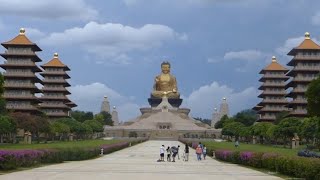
[
  {"x": 306, "y": 67},
  {"x": 20, "y": 74},
  {"x": 164, "y": 119},
  {"x": 273, "y": 92},
  {"x": 55, "y": 102}
]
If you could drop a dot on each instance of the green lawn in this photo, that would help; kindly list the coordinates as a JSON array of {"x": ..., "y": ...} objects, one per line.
[
  {"x": 251, "y": 147},
  {"x": 60, "y": 145}
]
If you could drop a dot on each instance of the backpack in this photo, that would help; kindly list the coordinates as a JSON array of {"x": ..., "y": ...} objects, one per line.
[{"x": 198, "y": 150}]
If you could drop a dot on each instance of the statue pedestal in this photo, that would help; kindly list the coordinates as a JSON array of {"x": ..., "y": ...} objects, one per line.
[{"x": 154, "y": 102}]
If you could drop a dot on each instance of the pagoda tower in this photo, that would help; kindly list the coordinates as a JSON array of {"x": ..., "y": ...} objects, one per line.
[
  {"x": 273, "y": 91},
  {"x": 55, "y": 102},
  {"x": 306, "y": 67},
  {"x": 224, "y": 107},
  {"x": 20, "y": 78},
  {"x": 114, "y": 115},
  {"x": 105, "y": 106},
  {"x": 215, "y": 117}
]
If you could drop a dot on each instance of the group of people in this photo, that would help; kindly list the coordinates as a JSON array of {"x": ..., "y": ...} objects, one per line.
[
  {"x": 173, "y": 152},
  {"x": 201, "y": 150}
]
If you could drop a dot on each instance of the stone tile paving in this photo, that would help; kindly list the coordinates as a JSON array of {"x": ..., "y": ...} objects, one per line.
[{"x": 140, "y": 163}]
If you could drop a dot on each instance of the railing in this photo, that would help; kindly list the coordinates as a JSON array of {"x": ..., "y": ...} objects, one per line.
[
  {"x": 10, "y": 73},
  {"x": 307, "y": 68},
  {"x": 274, "y": 101},
  {"x": 274, "y": 92},
  {"x": 20, "y": 52},
  {"x": 274, "y": 76},
  {"x": 20, "y": 63},
  {"x": 18, "y": 85},
  {"x": 17, "y": 106},
  {"x": 303, "y": 78},
  {"x": 273, "y": 84},
  {"x": 311, "y": 57},
  {"x": 273, "y": 109}
]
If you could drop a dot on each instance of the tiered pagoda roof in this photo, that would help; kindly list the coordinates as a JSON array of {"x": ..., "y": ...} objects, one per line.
[
  {"x": 306, "y": 66},
  {"x": 56, "y": 103},
  {"x": 20, "y": 78},
  {"x": 273, "y": 88}
]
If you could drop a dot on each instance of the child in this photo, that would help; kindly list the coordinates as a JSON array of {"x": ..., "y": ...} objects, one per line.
[
  {"x": 169, "y": 154},
  {"x": 204, "y": 152}
]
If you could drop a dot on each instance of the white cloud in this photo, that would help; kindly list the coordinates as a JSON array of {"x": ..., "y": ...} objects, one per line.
[
  {"x": 247, "y": 55},
  {"x": 213, "y": 60},
  {"x": 203, "y": 100},
  {"x": 315, "y": 20},
  {"x": 34, "y": 34},
  {"x": 89, "y": 98},
  {"x": 48, "y": 9},
  {"x": 289, "y": 44},
  {"x": 292, "y": 43},
  {"x": 112, "y": 42}
]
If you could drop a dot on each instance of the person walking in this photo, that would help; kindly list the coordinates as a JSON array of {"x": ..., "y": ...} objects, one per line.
[
  {"x": 236, "y": 144},
  {"x": 178, "y": 152},
  {"x": 162, "y": 149},
  {"x": 204, "y": 152},
  {"x": 186, "y": 153},
  {"x": 174, "y": 151},
  {"x": 169, "y": 154},
  {"x": 199, "y": 152}
]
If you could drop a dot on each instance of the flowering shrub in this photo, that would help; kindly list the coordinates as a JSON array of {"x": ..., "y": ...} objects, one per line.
[
  {"x": 12, "y": 159},
  {"x": 293, "y": 166}
]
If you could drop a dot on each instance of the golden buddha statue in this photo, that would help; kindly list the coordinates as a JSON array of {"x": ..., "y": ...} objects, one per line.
[{"x": 165, "y": 84}]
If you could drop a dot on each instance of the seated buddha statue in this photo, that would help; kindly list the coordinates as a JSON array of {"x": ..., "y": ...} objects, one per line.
[{"x": 165, "y": 84}]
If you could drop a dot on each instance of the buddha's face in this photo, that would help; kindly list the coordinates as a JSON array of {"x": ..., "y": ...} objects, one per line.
[{"x": 165, "y": 68}]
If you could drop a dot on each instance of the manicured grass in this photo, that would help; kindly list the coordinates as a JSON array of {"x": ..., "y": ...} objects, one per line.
[
  {"x": 60, "y": 145},
  {"x": 251, "y": 147}
]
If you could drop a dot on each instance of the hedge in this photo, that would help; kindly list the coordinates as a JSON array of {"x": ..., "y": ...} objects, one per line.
[
  {"x": 12, "y": 159},
  {"x": 299, "y": 167}
]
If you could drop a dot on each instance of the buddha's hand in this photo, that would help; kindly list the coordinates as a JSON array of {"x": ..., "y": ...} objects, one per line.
[
  {"x": 157, "y": 80},
  {"x": 174, "y": 90}
]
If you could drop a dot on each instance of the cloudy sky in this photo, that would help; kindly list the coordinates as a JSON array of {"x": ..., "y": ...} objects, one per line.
[{"x": 115, "y": 48}]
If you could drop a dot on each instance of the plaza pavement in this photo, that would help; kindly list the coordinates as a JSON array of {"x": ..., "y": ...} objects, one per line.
[{"x": 140, "y": 163}]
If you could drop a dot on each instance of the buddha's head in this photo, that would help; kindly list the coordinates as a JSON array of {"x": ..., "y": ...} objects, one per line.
[{"x": 165, "y": 67}]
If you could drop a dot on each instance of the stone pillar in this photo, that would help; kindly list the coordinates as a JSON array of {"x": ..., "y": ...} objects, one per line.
[
  {"x": 25, "y": 138},
  {"x": 293, "y": 144},
  {"x": 29, "y": 138},
  {"x": 71, "y": 137},
  {"x": 254, "y": 140}
]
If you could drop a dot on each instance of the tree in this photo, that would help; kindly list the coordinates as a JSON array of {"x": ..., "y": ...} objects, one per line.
[
  {"x": 260, "y": 129},
  {"x": 310, "y": 128},
  {"x": 5, "y": 126},
  {"x": 313, "y": 97},
  {"x": 246, "y": 117},
  {"x": 232, "y": 129},
  {"x": 95, "y": 125},
  {"x": 75, "y": 126},
  {"x": 3, "y": 109},
  {"x": 287, "y": 127},
  {"x": 105, "y": 118},
  {"x": 281, "y": 115},
  {"x": 81, "y": 116},
  {"x": 59, "y": 128},
  {"x": 220, "y": 123}
]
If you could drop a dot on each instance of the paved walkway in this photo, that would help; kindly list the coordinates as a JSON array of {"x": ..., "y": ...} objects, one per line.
[{"x": 139, "y": 163}]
